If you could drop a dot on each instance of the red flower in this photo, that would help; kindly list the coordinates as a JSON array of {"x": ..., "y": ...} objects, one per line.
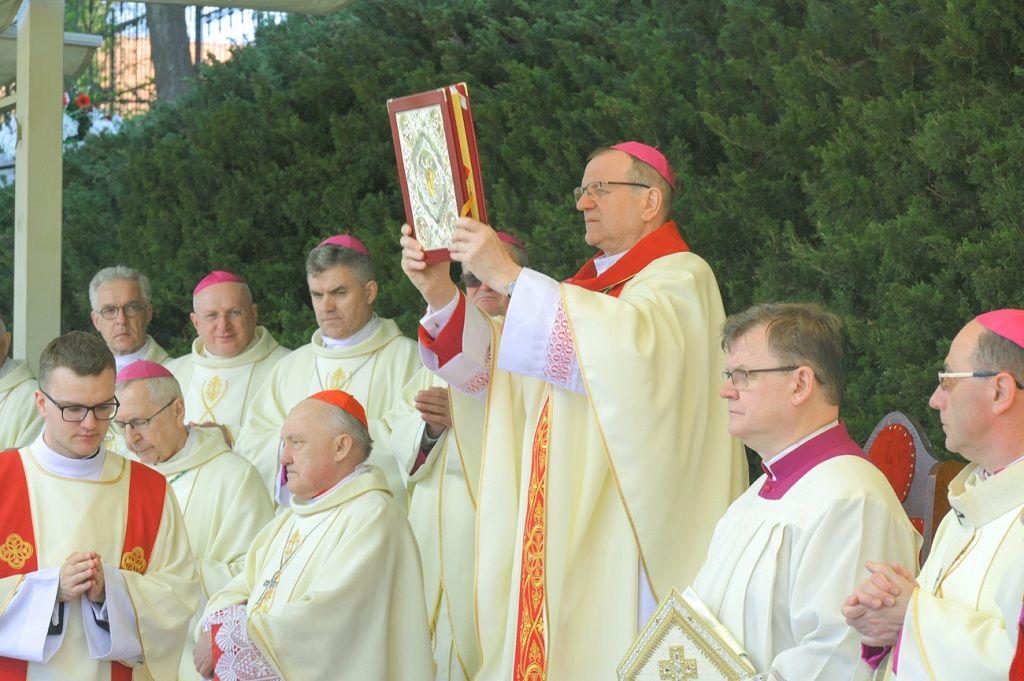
[{"x": 82, "y": 101}]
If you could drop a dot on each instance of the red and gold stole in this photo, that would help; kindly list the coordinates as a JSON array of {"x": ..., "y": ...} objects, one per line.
[
  {"x": 18, "y": 554},
  {"x": 531, "y": 636}
]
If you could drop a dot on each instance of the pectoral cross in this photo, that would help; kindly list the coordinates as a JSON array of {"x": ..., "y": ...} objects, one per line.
[{"x": 677, "y": 667}]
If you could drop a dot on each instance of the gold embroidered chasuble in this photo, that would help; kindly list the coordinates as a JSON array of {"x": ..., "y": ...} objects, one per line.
[
  {"x": 333, "y": 588},
  {"x": 372, "y": 371},
  {"x": 20, "y": 421},
  {"x": 220, "y": 389}
]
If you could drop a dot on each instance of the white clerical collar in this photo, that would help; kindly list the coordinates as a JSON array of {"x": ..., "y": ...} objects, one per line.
[
  {"x": 7, "y": 367},
  {"x": 775, "y": 459},
  {"x": 602, "y": 263},
  {"x": 985, "y": 474},
  {"x": 357, "y": 471},
  {"x": 65, "y": 466},
  {"x": 356, "y": 338},
  {"x": 124, "y": 360}
]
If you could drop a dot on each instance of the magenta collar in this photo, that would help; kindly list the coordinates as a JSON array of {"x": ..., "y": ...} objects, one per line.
[{"x": 787, "y": 471}]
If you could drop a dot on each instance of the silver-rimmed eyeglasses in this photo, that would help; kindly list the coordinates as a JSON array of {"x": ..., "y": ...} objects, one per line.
[
  {"x": 946, "y": 378},
  {"x": 140, "y": 425},
  {"x": 741, "y": 377},
  {"x": 596, "y": 190}
]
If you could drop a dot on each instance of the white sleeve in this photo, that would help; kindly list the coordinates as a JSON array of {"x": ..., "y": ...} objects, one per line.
[
  {"x": 536, "y": 339},
  {"x": 25, "y": 623},
  {"x": 119, "y": 639},
  {"x": 470, "y": 370}
]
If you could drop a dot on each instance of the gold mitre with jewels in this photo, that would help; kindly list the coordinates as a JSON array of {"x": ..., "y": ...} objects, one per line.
[{"x": 683, "y": 641}]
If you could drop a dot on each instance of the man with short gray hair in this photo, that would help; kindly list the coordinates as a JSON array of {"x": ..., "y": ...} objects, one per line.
[
  {"x": 353, "y": 350},
  {"x": 121, "y": 311},
  {"x": 19, "y": 421}
]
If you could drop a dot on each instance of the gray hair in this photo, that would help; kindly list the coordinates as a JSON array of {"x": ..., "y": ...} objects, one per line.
[
  {"x": 83, "y": 353},
  {"x": 995, "y": 353},
  {"x": 162, "y": 389},
  {"x": 340, "y": 421},
  {"x": 323, "y": 258},
  {"x": 118, "y": 273}
]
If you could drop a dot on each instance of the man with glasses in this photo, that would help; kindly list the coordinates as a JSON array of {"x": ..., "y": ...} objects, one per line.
[
  {"x": 96, "y": 574},
  {"x": 606, "y": 458},
  {"x": 20, "y": 422},
  {"x": 121, "y": 312},
  {"x": 231, "y": 357},
  {"x": 947, "y": 622},
  {"x": 221, "y": 496},
  {"x": 790, "y": 549}
]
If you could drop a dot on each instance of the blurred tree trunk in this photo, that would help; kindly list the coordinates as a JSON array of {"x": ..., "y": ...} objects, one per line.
[{"x": 169, "y": 45}]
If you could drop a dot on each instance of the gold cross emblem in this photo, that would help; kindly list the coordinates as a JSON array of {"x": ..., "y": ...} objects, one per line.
[
  {"x": 15, "y": 551},
  {"x": 336, "y": 380},
  {"x": 677, "y": 667}
]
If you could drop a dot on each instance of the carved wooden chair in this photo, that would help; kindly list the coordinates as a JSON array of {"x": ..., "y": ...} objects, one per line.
[{"x": 900, "y": 449}]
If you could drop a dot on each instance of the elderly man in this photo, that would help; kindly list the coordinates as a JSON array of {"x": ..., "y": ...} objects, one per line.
[
  {"x": 231, "y": 357},
  {"x": 96, "y": 576},
  {"x": 332, "y": 588},
  {"x": 353, "y": 350},
  {"x": 947, "y": 624},
  {"x": 20, "y": 422},
  {"x": 221, "y": 496},
  {"x": 790, "y": 549},
  {"x": 596, "y": 491},
  {"x": 121, "y": 312},
  {"x": 443, "y": 472}
]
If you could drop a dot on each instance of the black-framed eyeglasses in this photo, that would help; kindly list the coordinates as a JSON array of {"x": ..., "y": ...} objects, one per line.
[
  {"x": 469, "y": 280},
  {"x": 946, "y": 378},
  {"x": 76, "y": 413},
  {"x": 741, "y": 377},
  {"x": 130, "y": 310},
  {"x": 595, "y": 190},
  {"x": 140, "y": 424}
]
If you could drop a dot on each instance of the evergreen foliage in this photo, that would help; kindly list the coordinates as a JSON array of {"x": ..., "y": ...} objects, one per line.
[{"x": 862, "y": 154}]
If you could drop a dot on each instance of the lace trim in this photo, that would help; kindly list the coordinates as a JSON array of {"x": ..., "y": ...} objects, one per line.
[
  {"x": 239, "y": 660},
  {"x": 481, "y": 379},
  {"x": 560, "y": 358}
]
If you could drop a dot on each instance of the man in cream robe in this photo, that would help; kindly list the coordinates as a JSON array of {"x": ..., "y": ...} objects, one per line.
[
  {"x": 353, "y": 350},
  {"x": 600, "y": 416},
  {"x": 96, "y": 577},
  {"x": 789, "y": 550},
  {"x": 442, "y": 465},
  {"x": 20, "y": 422},
  {"x": 948, "y": 624},
  {"x": 221, "y": 496},
  {"x": 230, "y": 359},
  {"x": 331, "y": 588}
]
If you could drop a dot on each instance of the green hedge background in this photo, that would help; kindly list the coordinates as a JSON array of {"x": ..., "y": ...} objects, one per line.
[{"x": 867, "y": 155}]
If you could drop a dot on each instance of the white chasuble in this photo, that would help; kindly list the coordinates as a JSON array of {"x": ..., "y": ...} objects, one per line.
[
  {"x": 612, "y": 486},
  {"x": 373, "y": 371},
  {"x": 332, "y": 589},
  {"x": 20, "y": 421},
  {"x": 151, "y": 591},
  {"x": 220, "y": 389},
  {"x": 954, "y": 627},
  {"x": 442, "y": 513},
  {"x": 791, "y": 549},
  {"x": 224, "y": 505}
]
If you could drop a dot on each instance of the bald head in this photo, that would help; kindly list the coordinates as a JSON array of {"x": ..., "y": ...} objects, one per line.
[{"x": 225, "y": 318}]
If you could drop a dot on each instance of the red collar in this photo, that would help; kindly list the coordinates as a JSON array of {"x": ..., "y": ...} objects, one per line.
[{"x": 665, "y": 240}]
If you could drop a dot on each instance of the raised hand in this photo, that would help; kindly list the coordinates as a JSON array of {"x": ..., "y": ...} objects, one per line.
[
  {"x": 433, "y": 281},
  {"x": 435, "y": 410},
  {"x": 480, "y": 250}
]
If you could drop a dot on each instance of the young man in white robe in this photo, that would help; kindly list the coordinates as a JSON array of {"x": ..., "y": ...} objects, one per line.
[
  {"x": 230, "y": 359},
  {"x": 789, "y": 550},
  {"x": 441, "y": 462},
  {"x": 352, "y": 350},
  {"x": 221, "y": 496},
  {"x": 20, "y": 422},
  {"x": 947, "y": 623},
  {"x": 332, "y": 588},
  {"x": 596, "y": 492},
  {"x": 97, "y": 581}
]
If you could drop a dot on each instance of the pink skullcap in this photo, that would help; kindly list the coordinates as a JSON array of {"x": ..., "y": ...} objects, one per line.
[
  {"x": 217, "y": 277},
  {"x": 346, "y": 241},
  {"x": 509, "y": 239},
  {"x": 143, "y": 368},
  {"x": 342, "y": 400},
  {"x": 651, "y": 157},
  {"x": 1008, "y": 323}
]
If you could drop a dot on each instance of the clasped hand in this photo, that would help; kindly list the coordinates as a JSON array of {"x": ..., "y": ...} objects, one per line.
[
  {"x": 82, "y": 573},
  {"x": 877, "y": 607}
]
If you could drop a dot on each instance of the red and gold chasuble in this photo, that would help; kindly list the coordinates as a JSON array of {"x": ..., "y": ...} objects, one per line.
[
  {"x": 531, "y": 632},
  {"x": 18, "y": 551}
]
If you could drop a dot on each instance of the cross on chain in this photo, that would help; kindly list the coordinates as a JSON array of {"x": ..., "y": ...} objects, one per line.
[{"x": 677, "y": 667}]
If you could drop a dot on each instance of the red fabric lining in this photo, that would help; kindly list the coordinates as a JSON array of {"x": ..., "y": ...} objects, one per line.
[
  {"x": 15, "y": 518},
  {"x": 665, "y": 240},
  {"x": 448, "y": 343}
]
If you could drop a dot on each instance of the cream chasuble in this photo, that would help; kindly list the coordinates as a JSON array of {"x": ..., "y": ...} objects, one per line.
[
  {"x": 224, "y": 504},
  {"x": 82, "y": 505},
  {"x": 442, "y": 512},
  {"x": 615, "y": 461},
  {"x": 20, "y": 421},
  {"x": 332, "y": 590},
  {"x": 220, "y": 389},
  {"x": 373, "y": 371},
  {"x": 791, "y": 549},
  {"x": 954, "y": 628}
]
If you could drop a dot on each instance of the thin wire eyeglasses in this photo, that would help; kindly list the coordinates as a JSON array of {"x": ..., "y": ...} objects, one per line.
[
  {"x": 741, "y": 377},
  {"x": 946, "y": 378},
  {"x": 595, "y": 190},
  {"x": 130, "y": 310},
  {"x": 140, "y": 425},
  {"x": 76, "y": 413}
]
